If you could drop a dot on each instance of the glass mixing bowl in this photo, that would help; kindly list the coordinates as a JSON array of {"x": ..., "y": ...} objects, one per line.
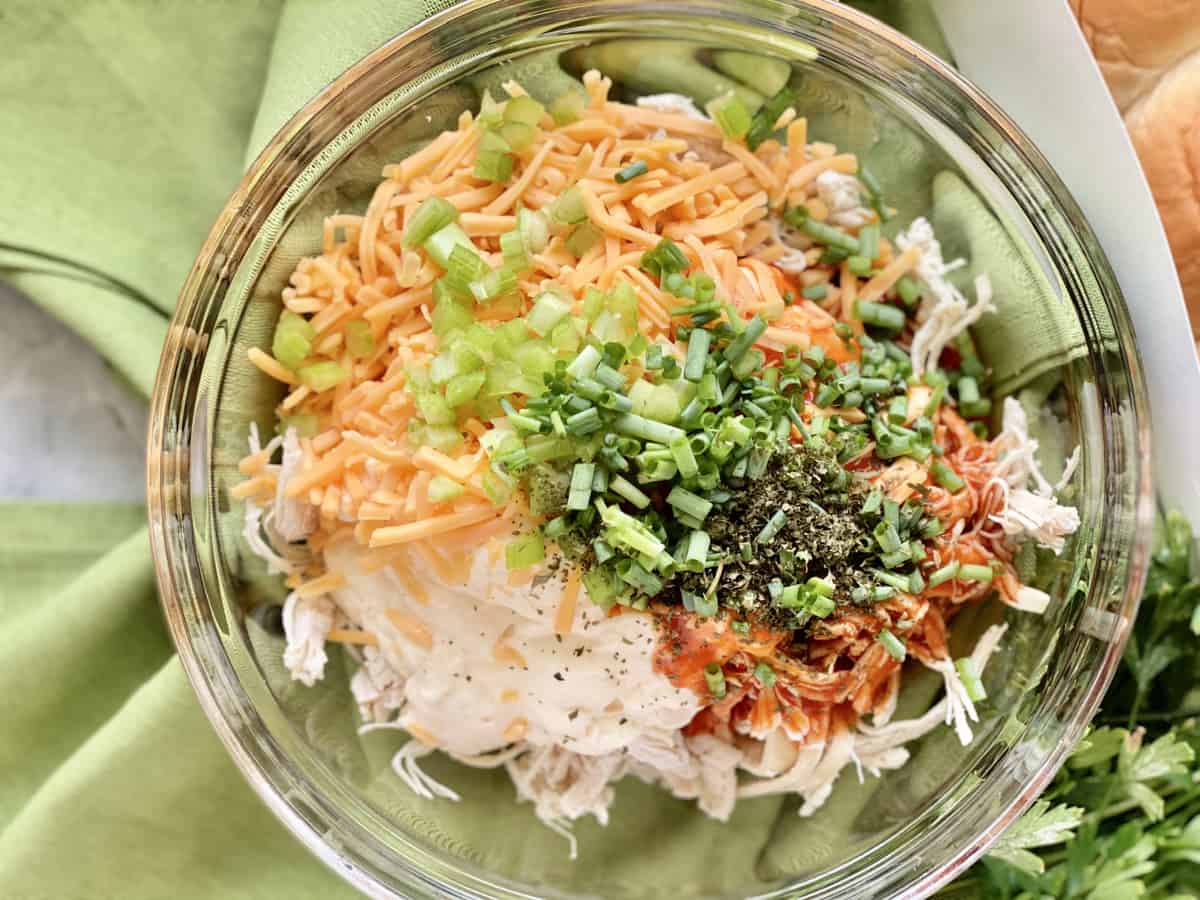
[{"x": 869, "y": 90}]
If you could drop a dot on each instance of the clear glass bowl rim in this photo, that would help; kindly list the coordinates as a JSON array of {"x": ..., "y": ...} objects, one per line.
[{"x": 173, "y": 458}]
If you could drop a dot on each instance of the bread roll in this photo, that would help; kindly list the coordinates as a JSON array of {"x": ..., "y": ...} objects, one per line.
[{"x": 1149, "y": 52}]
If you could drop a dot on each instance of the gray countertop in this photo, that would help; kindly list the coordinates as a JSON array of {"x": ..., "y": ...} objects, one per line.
[{"x": 72, "y": 430}]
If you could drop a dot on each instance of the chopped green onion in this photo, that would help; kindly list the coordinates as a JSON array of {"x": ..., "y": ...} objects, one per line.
[
  {"x": 697, "y": 354},
  {"x": 629, "y": 491},
  {"x": 631, "y": 171},
  {"x": 685, "y": 457},
  {"x": 946, "y": 573},
  {"x": 434, "y": 214},
  {"x": 815, "y": 292},
  {"x": 664, "y": 259},
  {"x": 946, "y": 477},
  {"x": 580, "y": 494},
  {"x": 976, "y": 573},
  {"x": 772, "y": 528},
  {"x": 968, "y": 674},
  {"x": 322, "y": 376},
  {"x": 893, "y": 645},
  {"x": 688, "y": 503},
  {"x": 585, "y": 363},
  {"x": 647, "y": 429},
  {"x": 831, "y": 237},
  {"x": 525, "y": 551},
  {"x": 585, "y": 422},
  {"x": 695, "y": 551},
  {"x": 859, "y": 265},
  {"x": 740, "y": 345},
  {"x": 730, "y": 114},
  {"x": 881, "y": 315},
  {"x": 909, "y": 291},
  {"x": 634, "y": 574},
  {"x": 868, "y": 242},
  {"x": 715, "y": 679},
  {"x": 763, "y": 122}
]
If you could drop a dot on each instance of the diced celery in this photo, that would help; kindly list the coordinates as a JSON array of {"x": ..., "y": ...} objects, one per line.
[
  {"x": 304, "y": 423},
  {"x": 493, "y": 141},
  {"x": 442, "y": 368},
  {"x": 569, "y": 208},
  {"x": 442, "y": 242},
  {"x": 293, "y": 339},
  {"x": 512, "y": 246},
  {"x": 534, "y": 228},
  {"x": 490, "y": 112},
  {"x": 434, "y": 214},
  {"x": 565, "y": 336},
  {"x": 655, "y": 401},
  {"x": 449, "y": 316},
  {"x": 548, "y": 310},
  {"x": 582, "y": 238},
  {"x": 493, "y": 165},
  {"x": 593, "y": 303},
  {"x": 535, "y": 358},
  {"x": 322, "y": 376},
  {"x": 359, "y": 339},
  {"x": 446, "y": 438},
  {"x": 434, "y": 409},
  {"x": 567, "y": 108},
  {"x": 730, "y": 114},
  {"x": 466, "y": 355},
  {"x": 518, "y": 135},
  {"x": 463, "y": 388},
  {"x": 464, "y": 265},
  {"x": 524, "y": 551},
  {"x": 525, "y": 110},
  {"x": 442, "y": 489},
  {"x": 497, "y": 486}
]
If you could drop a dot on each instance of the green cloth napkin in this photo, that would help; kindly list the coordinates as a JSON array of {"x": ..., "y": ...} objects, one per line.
[{"x": 123, "y": 127}]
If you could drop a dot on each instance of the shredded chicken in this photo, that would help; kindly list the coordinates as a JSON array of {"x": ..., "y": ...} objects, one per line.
[
  {"x": 377, "y": 687},
  {"x": 944, "y": 313},
  {"x": 678, "y": 104},
  {"x": 306, "y": 623},
  {"x": 843, "y": 195}
]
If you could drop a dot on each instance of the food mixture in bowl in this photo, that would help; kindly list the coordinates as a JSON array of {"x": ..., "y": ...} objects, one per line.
[{"x": 619, "y": 440}]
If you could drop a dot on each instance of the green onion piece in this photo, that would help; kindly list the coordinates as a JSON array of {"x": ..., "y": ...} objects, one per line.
[
  {"x": 831, "y": 237},
  {"x": 665, "y": 259},
  {"x": 976, "y": 573},
  {"x": 883, "y": 592},
  {"x": 898, "y": 410},
  {"x": 822, "y": 587},
  {"x": 742, "y": 628},
  {"x": 626, "y": 489},
  {"x": 909, "y": 291},
  {"x": 899, "y": 582},
  {"x": 765, "y": 675},
  {"x": 881, "y": 315},
  {"x": 442, "y": 489},
  {"x": 730, "y": 114},
  {"x": 946, "y": 573},
  {"x": 870, "y": 386},
  {"x": 688, "y": 503},
  {"x": 946, "y": 477},
  {"x": 774, "y": 524},
  {"x": 887, "y": 537},
  {"x": 584, "y": 423},
  {"x": 685, "y": 458},
  {"x": 534, "y": 228},
  {"x": 524, "y": 551},
  {"x": 631, "y": 171},
  {"x": 968, "y": 674},
  {"x": 493, "y": 165},
  {"x": 567, "y": 108},
  {"x": 585, "y": 363},
  {"x": 868, "y": 242},
  {"x": 741, "y": 344},
  {"x": 859, "y": 265},
  {"x": 604, "y": 551},
  {"x": 582, "y": 239},
  {"x": 968, "y": 390},
  {"x": 762, "y": 125},
  {"x": 434, "y": 214},
  {"x": 819, "y": 606},
  {"x": 580, "y": 494},
  {"x": 548, "y": 310},
  {"x": 695, "y": 551},
  {"x": 569, "y": 208},
  {"x": 893, "y": 645},
  {"x": 697, "y": 354},
  {"x": 442, "y": 242},
  {"x": 632, "y": 572},
  {"x": 322, "y": 376},
  {"x": 523, "y": 109},
  {"x": 647, "y": 429},
  {"x": 716, "y": 680},
  {"x": 815, "y": 292},
  {"x": 611, "y": 378}
]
